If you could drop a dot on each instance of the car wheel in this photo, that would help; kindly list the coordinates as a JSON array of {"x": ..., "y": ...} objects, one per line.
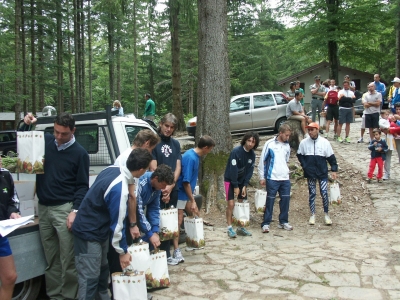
[
  {"x": 279, "y": 123},
  {"x": 27, "y": 290}
]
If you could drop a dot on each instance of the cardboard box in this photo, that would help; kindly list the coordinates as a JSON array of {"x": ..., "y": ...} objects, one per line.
[
  {"x": 27, "y": 208},
  {"x": 25, "y": 190}
]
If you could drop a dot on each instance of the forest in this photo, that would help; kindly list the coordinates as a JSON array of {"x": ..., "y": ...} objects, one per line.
[{"x": 79, "y": 55}]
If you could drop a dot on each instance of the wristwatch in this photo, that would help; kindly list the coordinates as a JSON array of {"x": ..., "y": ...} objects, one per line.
[
  {"x": 133, "y": 224},
  {"x": 74, "y": 210}
]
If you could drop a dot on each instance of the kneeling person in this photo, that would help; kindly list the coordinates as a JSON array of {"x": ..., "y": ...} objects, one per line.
[
  {"x": 103, "y": 208},
  {"x": 238, "y": 172}
]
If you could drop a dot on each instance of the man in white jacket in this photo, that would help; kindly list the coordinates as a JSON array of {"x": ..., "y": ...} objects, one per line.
[{"x": 274, "y": 174}]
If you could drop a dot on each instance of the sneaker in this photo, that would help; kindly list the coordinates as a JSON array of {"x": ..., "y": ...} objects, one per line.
[
  {"x": 231, "y": 233},
  {"x": 347, "y": 140},
  {"x": 312, "y": 220},
  {"x": 369, "y": 180},
  {"x": 265, "y": 229},
  {"x": 326, "y": 135},
  {"x": 243, "y": 231},
  {"x": 339, "y": 139},
  {"x": 328, "y": 220},
  {"x": 361, "y": 140},
  {"x": 380, "y": 180},
  {"x": 178, "y": 255},
  {"x": 386, "y": 177},
  {"x": 285, "y": 226},
  {"x": 172, "y": 261}
]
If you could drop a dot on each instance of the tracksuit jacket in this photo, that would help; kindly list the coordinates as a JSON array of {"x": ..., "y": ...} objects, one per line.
[
  {"x": 148, "y": 197},
  {"x": 240, "y": 166},
  {"x": 102, "y": 212},
  {"x": 313, "y": 155}
]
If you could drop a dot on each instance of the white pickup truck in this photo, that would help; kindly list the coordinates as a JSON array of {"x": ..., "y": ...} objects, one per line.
[{"x": 104, "y": 136}]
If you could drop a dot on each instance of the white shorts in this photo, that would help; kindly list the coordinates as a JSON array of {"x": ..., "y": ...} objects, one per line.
[{"x": 181, "y": 204}]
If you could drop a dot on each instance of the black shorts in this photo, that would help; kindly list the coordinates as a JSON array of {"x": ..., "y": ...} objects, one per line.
[
  {"x": 332, "y": 112},
  {"x": 230, "y": 195},
  {"x": 372, "y": 120}
]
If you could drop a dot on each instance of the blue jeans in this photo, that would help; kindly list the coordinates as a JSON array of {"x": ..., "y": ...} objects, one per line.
[
  {"x": 312, "y": 190},
  {"x": 283, "y": 188}
]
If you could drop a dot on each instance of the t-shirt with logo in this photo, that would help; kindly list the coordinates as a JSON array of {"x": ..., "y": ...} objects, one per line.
[{"x": 167, "y": 152}]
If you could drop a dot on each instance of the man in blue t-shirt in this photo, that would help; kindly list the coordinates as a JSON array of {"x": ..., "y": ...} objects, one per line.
[
  {"x": 187, "y": 181},
  {"x": 239, "y": 169}
]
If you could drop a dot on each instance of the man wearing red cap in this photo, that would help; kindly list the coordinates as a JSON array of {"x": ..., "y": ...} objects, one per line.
[{"x": 313, "y": 153}]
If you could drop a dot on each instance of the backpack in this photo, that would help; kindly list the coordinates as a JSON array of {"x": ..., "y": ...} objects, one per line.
[{"x": 332, "y": 98}]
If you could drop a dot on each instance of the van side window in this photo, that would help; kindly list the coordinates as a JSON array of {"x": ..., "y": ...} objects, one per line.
[
  {"x": 132, "y": 131},
  {"x": 263, "y": 101},
  {"x": 86, "y": 135},
  {"x": 240, "y": 104}
]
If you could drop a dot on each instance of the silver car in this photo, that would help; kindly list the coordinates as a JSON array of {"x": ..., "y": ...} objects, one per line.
[{"x": 255, "y": 111}]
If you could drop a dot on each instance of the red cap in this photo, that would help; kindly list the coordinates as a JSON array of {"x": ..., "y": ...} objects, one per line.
[{"x": 313, "y": 125}]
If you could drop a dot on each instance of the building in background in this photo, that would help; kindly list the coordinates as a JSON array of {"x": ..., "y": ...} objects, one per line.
[{"x": 306, "y": 78}]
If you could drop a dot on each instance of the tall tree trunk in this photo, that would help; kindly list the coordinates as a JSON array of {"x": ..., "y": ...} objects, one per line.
[
  {"x": 213, "y": 95},
  {"x": 33, "y": 54},
  {"x": 18, "y": 59},
  {"x": 397, "y": 28},
  {"x": 333, "y": 50},
  {"x": 176, "y": 64},
  {"x": 150, "y": 67},
  {"x": 70, "y": 73},
  {"x": 24, "y": 48},
  {"x": 76, "y": 51},
  {"x": 60, "y": 81},
  {"x": 111, "y": 53},
  {"x": 40, "y": 37},
  {"x": 135, "y": 60},
  {"x": 89, "y": 35},
  {"x": 118, "y": 67},
  {"x": 82, "y": 57}
]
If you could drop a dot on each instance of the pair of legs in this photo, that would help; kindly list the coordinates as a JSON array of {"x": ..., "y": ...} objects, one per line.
[
  {"x": 332, "y": 114},
  {"x": 371, "y": 122},
  {"x": 312, "y": 190},
  {"x": 283, "y": 188},
  {"x": 8, "y": 273},
  {"x": 304, "y": 120},
  {"x": 386, "y": 165},
  {"x": 345, "y": 116},
  {"x": 58, "y": 242},
  {"x": 372, "y": 164},
  {"x": 230, "y": 198},
  {"x": 362, "y": 128},
  {"x": 92, "y": 267},
  {"x": 315, "y": 104}
]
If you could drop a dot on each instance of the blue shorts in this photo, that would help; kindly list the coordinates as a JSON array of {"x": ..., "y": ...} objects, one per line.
[{"x": 5, "y": 249}]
